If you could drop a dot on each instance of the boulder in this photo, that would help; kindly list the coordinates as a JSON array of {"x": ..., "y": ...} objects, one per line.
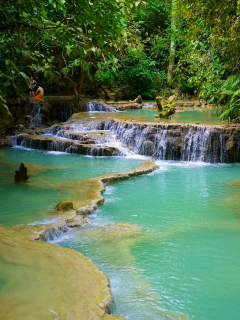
[
  {"x": 64, "y": 206},
  {"x": 21, "y": 174}
]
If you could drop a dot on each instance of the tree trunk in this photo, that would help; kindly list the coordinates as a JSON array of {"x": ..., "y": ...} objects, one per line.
[
  {"x": 80, "y": 103},
  {"x": 159, "y": 103},
  {"x": 106, "y": 92},
  {"x": 172, "y": 53}
]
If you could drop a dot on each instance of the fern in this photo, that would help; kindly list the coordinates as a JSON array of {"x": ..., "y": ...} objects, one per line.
[
  {"x": 225, "y": 95},
  {"x": 232, "y": 83},
  {"x": 230, "y": 98},
  {"x": 4, "y": 111}
]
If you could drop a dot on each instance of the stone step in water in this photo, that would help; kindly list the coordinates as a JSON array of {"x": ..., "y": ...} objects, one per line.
[
  {"x": 66, "y": 145},
  {"x": 90, "y": 137}
]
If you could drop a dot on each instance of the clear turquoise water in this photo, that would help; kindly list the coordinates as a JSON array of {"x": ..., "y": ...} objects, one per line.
[
  {"x": 184, "y": 262},
  {"x": 182, "y": 258},
  {"x": 35, "y": 200},
  {"x": 206, "y": 116}
]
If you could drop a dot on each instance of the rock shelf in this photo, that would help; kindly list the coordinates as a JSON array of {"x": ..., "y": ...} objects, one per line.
[
  {"x": 85, "y": 147},
  {"x": 45, "y": 281}
]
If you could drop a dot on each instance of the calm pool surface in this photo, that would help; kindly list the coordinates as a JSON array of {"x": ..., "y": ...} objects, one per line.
[
  {"x": 49, "y": 172},
  {"x": 206, "y": 116}
]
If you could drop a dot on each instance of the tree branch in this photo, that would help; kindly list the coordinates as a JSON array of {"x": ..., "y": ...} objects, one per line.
[{"x": 26, "y": 25}]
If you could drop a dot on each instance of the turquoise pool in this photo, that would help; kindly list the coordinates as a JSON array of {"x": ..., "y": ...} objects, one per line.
[
  {"x": 49, "y": 172},
  {"x": 182, "y": 259}
]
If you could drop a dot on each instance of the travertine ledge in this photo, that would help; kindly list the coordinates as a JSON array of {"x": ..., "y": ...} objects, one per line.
[
  {"x": 51, "y": 282},
  {"x": 87, "y": 198},
  {"x": 45, "y": 281}
]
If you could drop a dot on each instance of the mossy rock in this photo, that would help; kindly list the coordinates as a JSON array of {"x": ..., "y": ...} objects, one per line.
[
  {"x": 64, "y": 206},
  {"x": 167, "y": 112}
]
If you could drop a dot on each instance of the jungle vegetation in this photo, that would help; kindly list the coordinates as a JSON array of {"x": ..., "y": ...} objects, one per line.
[{"x": 130, "y": 47}]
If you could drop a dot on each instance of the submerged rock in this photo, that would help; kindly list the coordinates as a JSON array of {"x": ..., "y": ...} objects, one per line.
[
  {"x": 21, "y": 174},
  {"x": 64, "y": 206}
]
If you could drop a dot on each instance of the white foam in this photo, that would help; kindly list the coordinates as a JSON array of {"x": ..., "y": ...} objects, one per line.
[
  {"x": 113, "y": 199},
  {"x": 184, "y": 164},
  {"x": 56, "y": 152},
  {"x": 26, "y": 149},
  {"x": 137, "y": 156},
  {"x": 63, "y": 237},
  {"x": 44, "y": 221},
  {"x": 109, "y": 190}
]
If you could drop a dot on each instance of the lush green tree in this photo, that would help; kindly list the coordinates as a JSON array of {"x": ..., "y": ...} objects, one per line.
[
  {"x": 138, "y": 74},
  {"x": 57, "y": 39}
]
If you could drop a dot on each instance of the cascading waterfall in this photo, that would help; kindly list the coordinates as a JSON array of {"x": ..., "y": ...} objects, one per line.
[
  {"x": 36, "y": 120},
  {"x": 214, "y": 144},
  {"x": 179, "y": 142},
  {"x": 94, "y": 106}
]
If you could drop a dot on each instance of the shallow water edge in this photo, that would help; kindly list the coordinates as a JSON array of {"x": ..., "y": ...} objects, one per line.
[{"x": 20, "y": 255}]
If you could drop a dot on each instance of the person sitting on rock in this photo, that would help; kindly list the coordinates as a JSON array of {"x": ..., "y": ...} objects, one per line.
[{"x": 38, "y": 96}]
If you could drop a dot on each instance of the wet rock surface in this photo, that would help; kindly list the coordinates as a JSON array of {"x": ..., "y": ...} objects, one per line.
[
  {"x": 101, "y": 135},
  {"x": 214, "y": 144},
  {"x": 66, "y": 145}
]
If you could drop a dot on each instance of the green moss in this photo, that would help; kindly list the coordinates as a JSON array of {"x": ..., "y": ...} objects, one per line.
[{"x": 64, "y": 206}]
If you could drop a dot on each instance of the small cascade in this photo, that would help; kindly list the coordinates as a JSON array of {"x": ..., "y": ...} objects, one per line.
[
  {"x": 36, "y": 120},
  {"x": 54, "y": 233},
  {"x": 148, "y": 106},
  {"x": 94, "y": 106}
]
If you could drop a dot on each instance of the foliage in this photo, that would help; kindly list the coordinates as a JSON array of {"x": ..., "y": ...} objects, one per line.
[
  {"x": 123, "y": 45},
  {"x": 216, "y": 24},
  {"x": 138, "y": 73},
  {"x": 230, "y": 98},
  {"x": 60, "y": 39},
  {"x": 231, "y": 110},
  {"x": 221, "y": 18},
  {"x": 4, "y": 111}
]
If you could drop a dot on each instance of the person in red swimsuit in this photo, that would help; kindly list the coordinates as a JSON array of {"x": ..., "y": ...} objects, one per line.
[{"x": 39, "y": 94}]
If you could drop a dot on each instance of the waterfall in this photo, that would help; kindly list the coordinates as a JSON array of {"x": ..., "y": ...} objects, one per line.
[
  {"x": 149, "y": 105},
  {"x": 179, "y": 142},
  {"x": 94, "y": 106},
  {"x": 54, "y": 233},
  {"x": 36, "y": 120},
  {"x": 111, "y": 137}
]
